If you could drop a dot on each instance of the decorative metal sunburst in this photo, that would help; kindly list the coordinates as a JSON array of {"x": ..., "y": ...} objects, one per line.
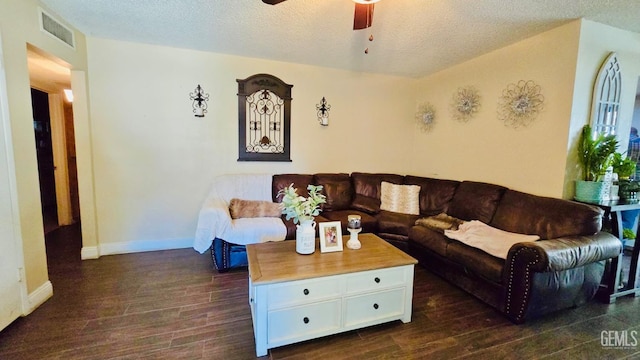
[
  {"x": 426, "y": 116},
  {"x": 520, "y": 104},
  {"x": 466, "y": 102}
]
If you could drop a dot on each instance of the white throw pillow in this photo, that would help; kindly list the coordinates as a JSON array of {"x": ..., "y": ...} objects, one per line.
[{"x": 403, "y": 199}]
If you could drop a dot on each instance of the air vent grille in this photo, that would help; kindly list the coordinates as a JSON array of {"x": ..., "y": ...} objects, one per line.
[{"x": 54, "y": 28}]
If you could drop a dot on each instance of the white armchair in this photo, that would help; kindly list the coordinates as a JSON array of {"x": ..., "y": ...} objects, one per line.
[{"x": 215, "y": 222}]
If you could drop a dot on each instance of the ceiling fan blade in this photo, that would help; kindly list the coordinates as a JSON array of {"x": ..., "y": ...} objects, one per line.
[
  {"x": 363, "y": 16},
  {"x": 272, "y": 2}
]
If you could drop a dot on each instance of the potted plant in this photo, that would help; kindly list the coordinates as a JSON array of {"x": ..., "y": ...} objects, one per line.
[
  {"x": 595, "y": 155},
  {"x": 624, "y": 167},
  {"x": 629, "y": 189},
  {"x": 302, "y": 210}
]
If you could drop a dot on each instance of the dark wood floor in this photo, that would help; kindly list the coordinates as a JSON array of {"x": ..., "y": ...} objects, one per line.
[{"x": 171, "y": 305}]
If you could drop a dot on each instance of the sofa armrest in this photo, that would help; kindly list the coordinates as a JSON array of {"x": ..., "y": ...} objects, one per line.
[
  {"x": 214, "y": 218},
  {"x": 525, "y": 259},
  {"x": 575, "y": 251},
  {"x": 565, "y": 252}
]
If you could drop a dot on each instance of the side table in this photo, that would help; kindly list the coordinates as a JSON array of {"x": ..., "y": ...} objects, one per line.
[{"x": 610, "y": 290}]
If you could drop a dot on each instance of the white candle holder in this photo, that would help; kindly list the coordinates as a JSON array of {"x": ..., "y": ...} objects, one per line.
[{"x": 354, "y": 226}]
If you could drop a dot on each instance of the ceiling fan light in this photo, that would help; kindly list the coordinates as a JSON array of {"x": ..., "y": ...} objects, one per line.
[{"x": 366, "y": 2}]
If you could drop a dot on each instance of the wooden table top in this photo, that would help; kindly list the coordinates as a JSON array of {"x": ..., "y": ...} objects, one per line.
[{"x": 278, "y": 261}]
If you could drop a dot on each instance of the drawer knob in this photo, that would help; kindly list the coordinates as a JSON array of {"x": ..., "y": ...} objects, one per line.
[
  {"x": 306, "y": 291},
  {"x": 375, "y": 306},
  {"x": 305, "y": 320},
  {"x": 377, "y": 280}
]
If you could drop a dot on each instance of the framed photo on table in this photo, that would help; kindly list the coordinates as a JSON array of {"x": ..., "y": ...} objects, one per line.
[{"x": 330, "y": 236}]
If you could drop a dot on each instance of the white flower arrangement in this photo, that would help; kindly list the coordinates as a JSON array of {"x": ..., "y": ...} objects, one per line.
[{"x": 299, "y": 208}]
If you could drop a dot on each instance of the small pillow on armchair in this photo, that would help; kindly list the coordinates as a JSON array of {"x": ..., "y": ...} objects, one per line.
[
  {"x": 252, "y": 208},
  {"x": 403, "y": 199}
]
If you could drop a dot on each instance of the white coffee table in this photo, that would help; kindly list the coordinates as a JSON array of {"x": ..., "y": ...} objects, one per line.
[{"x": 300, "y": 297}]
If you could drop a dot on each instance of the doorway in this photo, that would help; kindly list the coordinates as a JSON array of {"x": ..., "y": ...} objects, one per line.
[
  {"x": 54, "y": 139},
  {"x": 44, "y": 152}
]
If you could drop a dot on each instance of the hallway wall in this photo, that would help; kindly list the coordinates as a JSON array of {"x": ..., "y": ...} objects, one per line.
[{"x": 19, "y": 26}]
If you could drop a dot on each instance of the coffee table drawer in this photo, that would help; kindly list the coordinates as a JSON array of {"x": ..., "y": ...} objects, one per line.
[
  {"x": 302, "y": 292},
  {"x": 376, "y": 279},
  {"x": 372, "y": 307},
  {"x": 303, "y": 322}
]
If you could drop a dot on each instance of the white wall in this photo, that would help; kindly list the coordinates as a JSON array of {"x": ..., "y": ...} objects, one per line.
[
  {"x": 154, "y": 161},
  {"x": 530, "y": 159},
  {"x": 596, "y": 42},
  {"x": 19, "y": 26}
]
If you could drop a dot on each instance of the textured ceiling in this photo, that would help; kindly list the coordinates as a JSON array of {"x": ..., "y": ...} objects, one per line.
[{"x": 411, "y": 37}]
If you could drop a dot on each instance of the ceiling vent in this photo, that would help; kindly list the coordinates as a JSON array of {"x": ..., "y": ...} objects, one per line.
[{"x": 54, "y": 28}]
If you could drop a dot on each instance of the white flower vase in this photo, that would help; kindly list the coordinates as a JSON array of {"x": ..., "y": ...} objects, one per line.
[{"x": 306, "y": 237}]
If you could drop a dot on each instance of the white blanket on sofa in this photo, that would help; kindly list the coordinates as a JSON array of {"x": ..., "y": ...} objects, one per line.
[
  {"x": 493, "y": 241},
  {"x": 214, "y": 220}
]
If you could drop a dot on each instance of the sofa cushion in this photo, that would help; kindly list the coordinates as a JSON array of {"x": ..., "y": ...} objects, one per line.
[
  {"x": 476, "y": 201},
  {"x": 546, "y": 217},
  {"x": 400, "y": 198},
  {"x": 368, "y": 184},
  {"x": 367, "y": 204},
  {"x": 300, "y": 183},
  {"x": 429, "y": 239},
  {"x": 399, "y": 241},
  {"x": 476, "y": 261},
  {"x": 338, "y": 190},
  {"x": 366, "y": 187},
  {"x": 369, "y": 223},
  {"x": 435, "y": 194},
  {"x": 239, "y": 208},
  {"x": 395, "y": 223}
]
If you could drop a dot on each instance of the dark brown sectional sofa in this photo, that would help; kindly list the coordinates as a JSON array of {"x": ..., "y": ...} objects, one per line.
[{"x": 561, "y": 270}]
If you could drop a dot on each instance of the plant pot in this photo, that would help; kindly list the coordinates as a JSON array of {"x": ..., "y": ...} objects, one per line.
[
  {"x": 614, "y": 193},
  {"x": 306, "y": 237},
  {"x": 592, "y": 191},
  {"x": 628, "y": 190}
]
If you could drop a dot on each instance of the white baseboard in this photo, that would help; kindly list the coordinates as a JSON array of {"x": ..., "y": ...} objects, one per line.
[
  {"x": 135, "y": 246},
  {"x": 39, "y": 296},
  {"x": 89, "y": 252}
]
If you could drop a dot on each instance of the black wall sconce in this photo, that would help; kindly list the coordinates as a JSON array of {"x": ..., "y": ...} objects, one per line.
[
  {"x": 323, "y": 112},
  {"x": 199, "y": 101}
]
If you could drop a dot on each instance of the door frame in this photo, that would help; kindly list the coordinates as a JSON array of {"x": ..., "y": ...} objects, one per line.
[
  {"x": 61, "y": 166},
  {"x": 84, "y": 158}
]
